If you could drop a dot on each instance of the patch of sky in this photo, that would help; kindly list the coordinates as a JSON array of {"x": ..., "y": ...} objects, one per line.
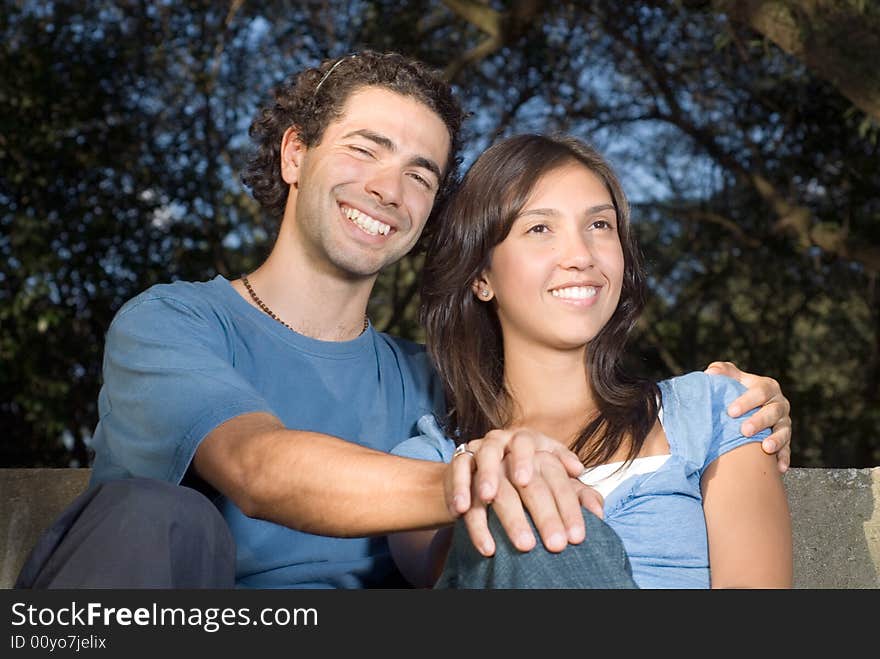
[
  {"x": 815, "y": 190},
  {"x": 113, "y": 264},
  {"x": 232, "y": 240},
  {"x": 240, "y": 139},
  {"x": 151, "y": 105},
  {"x": 67, "y": 440},
  {"x": 42, "y": 10},
  {"x": 202, "y": 208},
  {"x": 38, "y": 285},
  {"x": 257, "y": 30},
  {"x": 167, "y": 214}
]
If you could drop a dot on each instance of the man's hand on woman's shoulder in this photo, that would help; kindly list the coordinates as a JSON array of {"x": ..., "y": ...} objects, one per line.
[{"x": 774, "y": 413}]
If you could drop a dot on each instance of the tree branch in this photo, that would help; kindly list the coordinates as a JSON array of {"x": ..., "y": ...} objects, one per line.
[
  {"x": 501, "y": 28},
  {"x": 477, "y": 14},
  {"x": 839, "y": 40},
  {"x": 716, "y": 218},
  {"x": 792, "y": 219}
]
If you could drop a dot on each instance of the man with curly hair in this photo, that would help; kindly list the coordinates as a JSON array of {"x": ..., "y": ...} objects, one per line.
[{"x": 274, "y": 396}]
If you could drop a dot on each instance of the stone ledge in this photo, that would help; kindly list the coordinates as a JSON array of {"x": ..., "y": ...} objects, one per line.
[
  {"x": 835, "y": 521},
  {"x": 835, "y": 526}
]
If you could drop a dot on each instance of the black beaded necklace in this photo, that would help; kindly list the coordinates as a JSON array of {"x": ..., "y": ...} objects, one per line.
[{"x": 272, "y": 314}]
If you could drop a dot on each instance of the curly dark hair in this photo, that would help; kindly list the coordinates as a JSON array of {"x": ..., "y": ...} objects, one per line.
[{"x": 313, "y": 98}]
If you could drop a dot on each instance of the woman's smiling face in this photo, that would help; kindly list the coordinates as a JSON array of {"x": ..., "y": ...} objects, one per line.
[{"x": 557, "y": 276}]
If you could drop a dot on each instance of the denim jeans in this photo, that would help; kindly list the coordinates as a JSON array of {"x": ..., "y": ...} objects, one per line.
[{"x": 598, "y": 562}]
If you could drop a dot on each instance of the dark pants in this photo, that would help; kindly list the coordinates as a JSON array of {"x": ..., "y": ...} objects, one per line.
[
  {"x": 134, "y": 533},
  {"x": 600, "y": 561}
]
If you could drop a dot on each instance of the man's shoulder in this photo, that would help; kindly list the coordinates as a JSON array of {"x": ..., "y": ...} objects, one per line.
[
  {"x": 197, "y": 296},
  {"x": 174, "y": 311}
]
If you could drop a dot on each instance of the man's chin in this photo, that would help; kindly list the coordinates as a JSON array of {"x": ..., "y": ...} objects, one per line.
[
  {"x": 359, "y": 269},
  {"x": 359, "y": 264}
]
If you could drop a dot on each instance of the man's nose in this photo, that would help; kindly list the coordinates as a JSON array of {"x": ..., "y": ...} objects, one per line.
[{"x": 386, "y": 186}]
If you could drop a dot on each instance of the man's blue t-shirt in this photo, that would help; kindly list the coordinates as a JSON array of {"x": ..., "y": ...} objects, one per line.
[
  {"x": 182, "y": 358},
  {"x": 658, "y": 515}
]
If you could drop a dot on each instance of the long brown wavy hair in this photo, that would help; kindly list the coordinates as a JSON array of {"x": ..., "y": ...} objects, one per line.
[{"x": 464, "y": 335}]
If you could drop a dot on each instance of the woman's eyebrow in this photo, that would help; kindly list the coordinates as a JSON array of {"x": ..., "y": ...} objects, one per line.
[
  {"x": 550, "y": 212},
  {"x": 544, "y": 212},
  {"x": 592, "y": 210}
]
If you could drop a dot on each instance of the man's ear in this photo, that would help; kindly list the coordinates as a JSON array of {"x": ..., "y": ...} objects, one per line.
[{"x": 292, "y": 152}]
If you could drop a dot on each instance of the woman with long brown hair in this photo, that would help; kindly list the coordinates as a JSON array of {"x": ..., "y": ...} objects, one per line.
[{"x": 532, "y": 284}]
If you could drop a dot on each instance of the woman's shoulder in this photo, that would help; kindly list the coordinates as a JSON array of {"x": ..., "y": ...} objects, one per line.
[
  {"x": 698, "y": 389},
  {"x": 695, "y": 415}
]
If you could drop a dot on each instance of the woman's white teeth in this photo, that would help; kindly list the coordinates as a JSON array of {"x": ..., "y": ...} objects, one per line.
[
  {"x": 574, "y": 292},
  {"x": 367, "y": 223}
]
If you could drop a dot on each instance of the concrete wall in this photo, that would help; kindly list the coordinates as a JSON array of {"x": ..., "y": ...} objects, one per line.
[
  {"x": 31, "y": 498},
  {"x": 836, "y": 527},
  {"x": 835, "y": 521}
]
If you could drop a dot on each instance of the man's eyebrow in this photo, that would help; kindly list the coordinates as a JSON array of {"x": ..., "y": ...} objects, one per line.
[
  {"x": 378, "y": 138},
  {"x": 428, "y": 164},
  {"x": 387, "y": 143}
]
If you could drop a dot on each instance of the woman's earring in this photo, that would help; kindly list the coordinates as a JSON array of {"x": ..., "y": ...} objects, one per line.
[{"x": 485, "y": 293}]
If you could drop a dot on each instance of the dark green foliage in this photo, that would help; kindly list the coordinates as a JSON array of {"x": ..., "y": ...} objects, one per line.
[{"x": 123, "y": 128}]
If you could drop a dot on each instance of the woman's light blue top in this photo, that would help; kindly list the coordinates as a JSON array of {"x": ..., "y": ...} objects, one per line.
[{"x": 658, "y": 515}]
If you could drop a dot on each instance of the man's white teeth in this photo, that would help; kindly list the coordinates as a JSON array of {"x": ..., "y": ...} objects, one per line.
[
  {"x": 575, "y": 292},
  {"x": 367, "y": 223}
]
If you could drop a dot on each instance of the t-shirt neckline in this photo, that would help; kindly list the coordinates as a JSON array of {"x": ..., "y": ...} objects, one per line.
[{"x": 317, "y": 347}]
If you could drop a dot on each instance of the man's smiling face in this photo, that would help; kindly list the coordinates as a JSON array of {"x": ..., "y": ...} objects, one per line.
[{"x": 362, "y": 195}]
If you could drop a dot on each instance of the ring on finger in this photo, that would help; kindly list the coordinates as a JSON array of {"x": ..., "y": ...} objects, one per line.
[{"x": 462, "y": 449}]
